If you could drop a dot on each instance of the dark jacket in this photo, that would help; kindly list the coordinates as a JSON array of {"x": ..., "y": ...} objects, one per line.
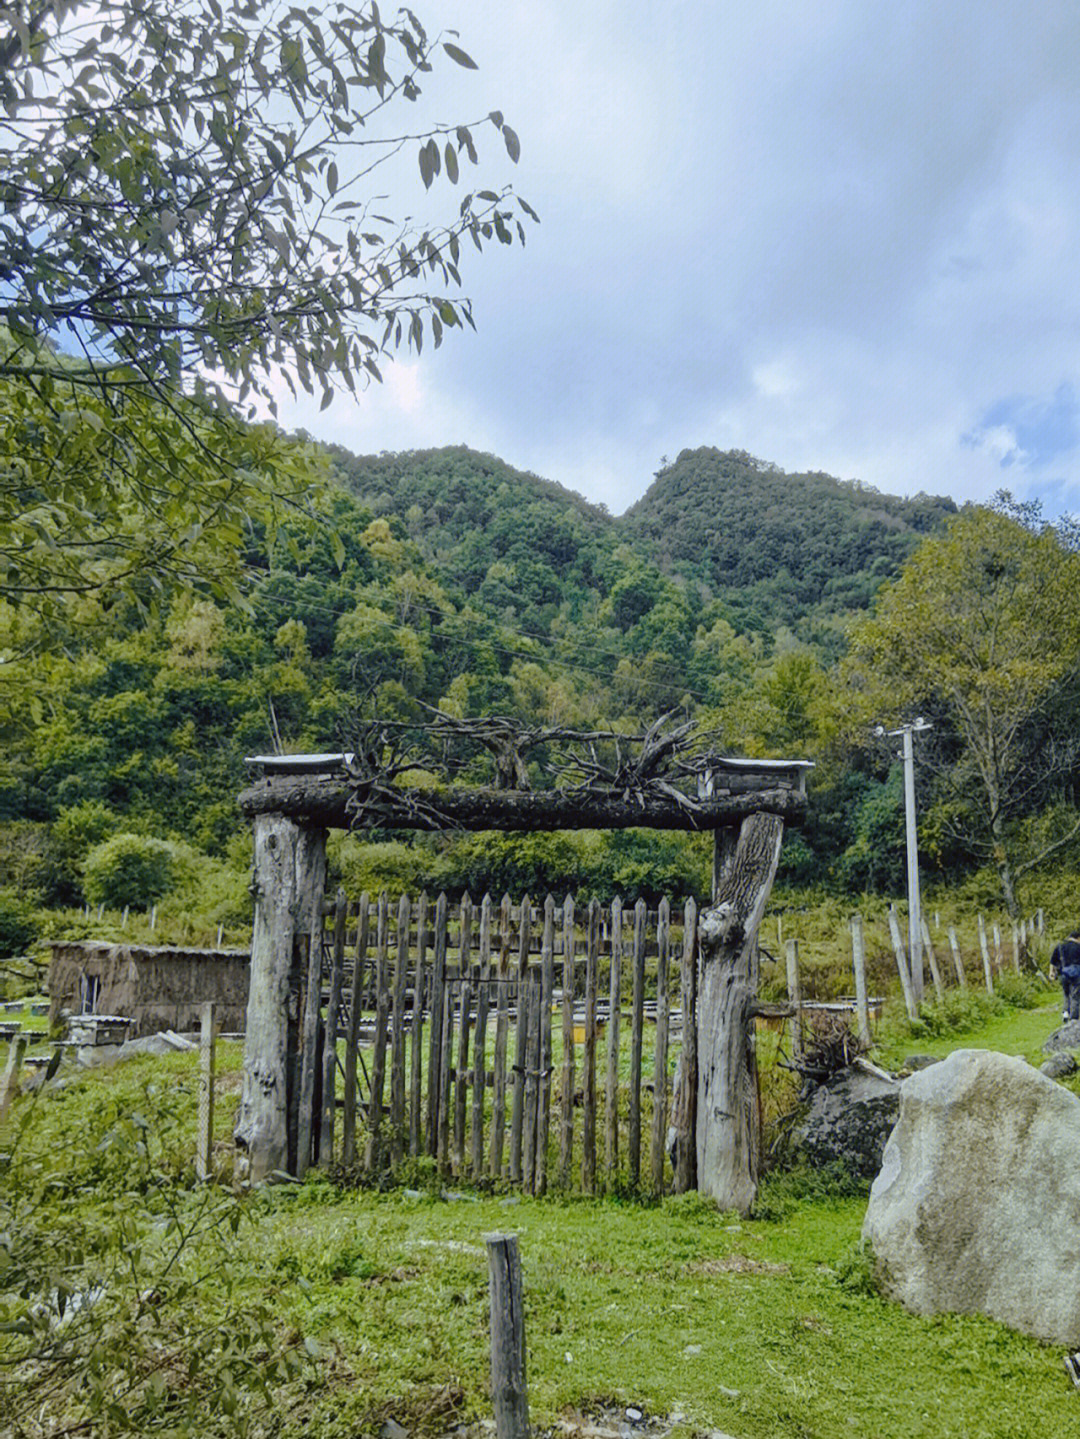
[{"x": 1066, "y": 958}]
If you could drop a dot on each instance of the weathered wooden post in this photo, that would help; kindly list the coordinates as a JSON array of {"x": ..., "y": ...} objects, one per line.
[
  {"x": 931, "y": 956},
  {"x": 290, "y": 871},
  {"x": 858, "y": 960},
  {"x": 728, "y": 1138},
  {"x": 987, "y": 973},
  {"x": 204, "y": 1168},
  {"x": 958, "y": 963},
  {"x": 9, "y": 1085},
  {"x": 509, "y": 1396},
  {"x": 901, "y": 965},
  {"x": 794, "y": 990}
]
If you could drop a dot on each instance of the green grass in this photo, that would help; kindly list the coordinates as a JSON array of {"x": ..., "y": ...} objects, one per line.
[{"x": 758, "y": 1328}]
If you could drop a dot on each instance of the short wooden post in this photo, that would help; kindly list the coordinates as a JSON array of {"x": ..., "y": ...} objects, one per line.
[
  {"x": 901, "y": 965},
  {"x": 928, "y": 950},
  {"x": 10, "y": 1085},
  {"x": 958, "y": 963},
  {"x": 205, "y": 1140},
  {"x": 509, "y": 1396},
  {"x": 998, "y": 961},
  {"x": 858, "y": 961},
  {"x": 794, "y": 989},
  {"x": 1016, "y": 947},
  {"x": 985, "y": 956}
]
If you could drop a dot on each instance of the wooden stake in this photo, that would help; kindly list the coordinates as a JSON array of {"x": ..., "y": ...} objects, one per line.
[
  {"x": 928, "y": 948},
  {"x": 611, "y": 1087},
  {"x": 330, "y": 1031},
  {"x": 9, "y": 1087},
  {"x": 858, "y": 962},
  {"x": 205, "y": 1138},
  {"x": 684, "y": 1101},
  {"x": 637, "y": 1024},
  {"x": 566, "y": 1134},
  {"x": 588, "y": 1080},
  {"x": 352, "y": 1037},
  {"x": 438, "y": 1036},
  {"x": 416, "y": 1051},
  {"x": 794, "y": 989},
  {"x": 901, "y": 965},
  {"x": 509, "y": 1395},
  {"x": 543, "y": 1098},
  {"x": 660, "y": 1074},
  {"x": 521, "y": 1045},
  {"x": 479, "y": 1078},
  {"x": 958, "y": 963},
  {"x": 985, "y": 948}
]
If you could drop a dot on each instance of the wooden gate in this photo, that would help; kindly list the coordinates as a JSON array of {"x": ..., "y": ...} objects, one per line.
[{"x": 529, "y": 1045}]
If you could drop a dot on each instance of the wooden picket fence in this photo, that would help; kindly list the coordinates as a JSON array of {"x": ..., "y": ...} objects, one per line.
[{"x": 493, "y": 1025}]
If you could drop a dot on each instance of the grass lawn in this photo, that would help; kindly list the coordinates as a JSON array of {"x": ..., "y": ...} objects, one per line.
[{"x": 756, "y": 1328}]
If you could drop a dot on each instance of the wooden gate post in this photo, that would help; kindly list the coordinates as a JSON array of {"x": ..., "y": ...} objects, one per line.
[
  {"x": 289, "y": 874},
  {"x": 728, "y": 1129}
]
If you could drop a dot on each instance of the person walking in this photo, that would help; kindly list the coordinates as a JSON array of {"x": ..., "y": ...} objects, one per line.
[{"x": 1065, "y": 961}]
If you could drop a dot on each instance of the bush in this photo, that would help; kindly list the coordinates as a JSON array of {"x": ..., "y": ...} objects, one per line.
[
  {"x": 18, "y": 925},
  {"x": 132, "y": 870}
]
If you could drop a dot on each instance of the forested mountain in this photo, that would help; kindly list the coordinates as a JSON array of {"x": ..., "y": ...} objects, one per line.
[
  {"x": 447, "y": 579},
  {"x": 777, "y": 546},
  {"x": 794, "y": 550}
]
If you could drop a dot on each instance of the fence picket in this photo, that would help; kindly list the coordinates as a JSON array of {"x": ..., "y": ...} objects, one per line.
[{"x": 637, "y": 1025}]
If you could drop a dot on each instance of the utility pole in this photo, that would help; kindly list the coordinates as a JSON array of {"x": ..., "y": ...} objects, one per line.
[{"x": 907, "y": 754}]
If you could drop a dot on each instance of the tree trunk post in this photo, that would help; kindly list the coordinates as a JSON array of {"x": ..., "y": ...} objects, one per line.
[
  {"x": 289, "y": 873},
  {"x": 728, "y": 1137},
  {"x": 858, "y": 960},
  {"x": 509, "y": 1396}
]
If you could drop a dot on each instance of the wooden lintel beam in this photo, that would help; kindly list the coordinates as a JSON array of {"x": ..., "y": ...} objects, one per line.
[{"x": 322, "y": 800}]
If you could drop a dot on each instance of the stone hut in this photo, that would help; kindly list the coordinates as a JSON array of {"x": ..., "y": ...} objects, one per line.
[{"x": 157, "y": 987}]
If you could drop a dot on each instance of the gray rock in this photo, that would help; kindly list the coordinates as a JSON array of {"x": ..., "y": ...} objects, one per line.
[
  {"x": 1067, "y": 1037},
  {"x": 920, "y": 1061},
  {"x": 847, "y": 1120},
  {"x": 977, "y": 1205},
  {"x": 1058, "y": 1065}
]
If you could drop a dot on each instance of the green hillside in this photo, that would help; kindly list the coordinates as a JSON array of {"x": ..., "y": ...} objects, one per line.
[{"x": 777, "y": 546}]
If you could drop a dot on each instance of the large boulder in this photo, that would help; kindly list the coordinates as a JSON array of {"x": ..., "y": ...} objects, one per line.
[
  {"x": 977, "y": 1206},
  {"x": 847, "y": 1121}
]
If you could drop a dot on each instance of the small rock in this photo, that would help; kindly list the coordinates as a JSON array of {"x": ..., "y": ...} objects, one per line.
[
  {"x": 510, "y": 1199},
  {"x": 634, "y": 1414},
  {"x": 920, "y": 1061},
  {"x": 393, "y": 1430},
  {"x": 411, "y": 1194},
  {"x": 1058, "y": 1065},
  {"x": 1066, "y": 1037},
  {"x": 691, "y": 1350}
]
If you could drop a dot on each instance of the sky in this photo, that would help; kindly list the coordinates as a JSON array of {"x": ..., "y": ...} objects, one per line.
[{"x": 840, "y": 236}]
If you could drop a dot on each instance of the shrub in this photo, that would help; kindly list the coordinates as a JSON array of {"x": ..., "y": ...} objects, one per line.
[
  {"x": 128, "y": 870},
  {"x": 18, "y": 926}
]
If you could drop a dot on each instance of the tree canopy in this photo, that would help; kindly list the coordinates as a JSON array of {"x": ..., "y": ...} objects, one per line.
[
  {"x": 187, "y": 219},
  {"x": 981, "y": 632}
]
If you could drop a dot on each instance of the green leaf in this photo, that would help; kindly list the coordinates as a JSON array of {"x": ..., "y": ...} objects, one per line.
[
  {"x": 513, "y": 144},
  {"x": 459, "y": 56}
]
